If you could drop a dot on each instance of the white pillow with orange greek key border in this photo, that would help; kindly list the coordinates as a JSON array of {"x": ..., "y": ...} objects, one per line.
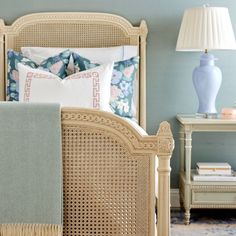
[{"x": 87, "y": 89}]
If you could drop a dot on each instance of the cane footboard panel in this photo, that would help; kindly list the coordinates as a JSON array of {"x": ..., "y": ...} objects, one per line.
[{"x": 109, "y": 175}]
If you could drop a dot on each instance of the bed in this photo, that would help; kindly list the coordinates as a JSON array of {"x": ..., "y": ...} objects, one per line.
[{"x": 116, "y": 193}]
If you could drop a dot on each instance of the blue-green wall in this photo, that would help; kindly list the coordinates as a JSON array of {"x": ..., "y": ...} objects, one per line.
[{"x": 169, "y": 84}]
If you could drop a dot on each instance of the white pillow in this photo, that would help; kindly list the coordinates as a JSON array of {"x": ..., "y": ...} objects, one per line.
[
  {"x": 95, "y": 55},
  {"x": 87, "y": 89}
]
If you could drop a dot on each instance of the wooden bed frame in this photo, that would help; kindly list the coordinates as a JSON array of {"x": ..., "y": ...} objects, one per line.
[{"x": 108, "y": 167}]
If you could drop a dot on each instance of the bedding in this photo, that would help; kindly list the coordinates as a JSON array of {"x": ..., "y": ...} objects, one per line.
[
  {"x": 30, "y": 169},
  {"x": 97, "y": 55},
  {"x": 100, "y": 56},
  {"x": 56, "y": 65},
  {"x": 88, "y": 89},
  {"x": 122, "y": 83}
]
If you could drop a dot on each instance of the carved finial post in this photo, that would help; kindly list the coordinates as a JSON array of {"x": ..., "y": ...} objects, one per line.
[
  {"x": 166, "y": 145},
  {"x": 144, "y": 29},
  {"x": 142, "y": 95}
]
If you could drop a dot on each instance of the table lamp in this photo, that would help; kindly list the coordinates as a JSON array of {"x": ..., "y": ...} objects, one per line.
[{"x": 205, "y": 29}]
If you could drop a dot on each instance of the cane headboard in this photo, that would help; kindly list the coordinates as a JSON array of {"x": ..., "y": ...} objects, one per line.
[{"x": 75, "y": 30}]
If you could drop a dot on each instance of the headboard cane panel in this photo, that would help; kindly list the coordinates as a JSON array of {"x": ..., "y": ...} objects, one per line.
[{"x": 73, "y": 30}]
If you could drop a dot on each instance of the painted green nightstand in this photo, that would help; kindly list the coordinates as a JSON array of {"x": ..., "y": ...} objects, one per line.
[{"x": 197, "y": 194}]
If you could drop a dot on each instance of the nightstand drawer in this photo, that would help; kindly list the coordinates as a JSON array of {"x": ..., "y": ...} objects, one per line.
[{"x": 213, "y": 197}]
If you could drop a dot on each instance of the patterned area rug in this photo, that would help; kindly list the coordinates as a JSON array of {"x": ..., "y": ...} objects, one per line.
[{"x": 204, "y": 222}]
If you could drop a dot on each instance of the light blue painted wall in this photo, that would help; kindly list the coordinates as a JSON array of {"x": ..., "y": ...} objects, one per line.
[{"x": 169, "y": 84}]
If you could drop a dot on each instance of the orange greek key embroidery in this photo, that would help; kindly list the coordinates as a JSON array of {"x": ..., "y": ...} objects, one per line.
[
  {"x": 96, "y": 90},
  {"x": 27, "y": 87},
  {"x": 94, "y": 76},
  {"x": 96, "y": 85}
]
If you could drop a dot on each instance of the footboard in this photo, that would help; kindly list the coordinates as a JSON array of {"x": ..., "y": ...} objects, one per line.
[{"x": 108, "y": 170}]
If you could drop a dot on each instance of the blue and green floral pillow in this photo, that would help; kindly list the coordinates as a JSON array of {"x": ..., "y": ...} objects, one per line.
[
  {"x": 57, "y": 65},
  {"x": 122, "y": 82}
]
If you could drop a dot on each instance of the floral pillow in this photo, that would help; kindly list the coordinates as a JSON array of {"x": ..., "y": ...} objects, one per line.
[
  {"x": 57, "y": 65},
  {"x": 122, "y": 82}
]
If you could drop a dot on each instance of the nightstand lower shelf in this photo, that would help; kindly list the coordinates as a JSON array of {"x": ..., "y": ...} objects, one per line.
[{"x": 207, "y": 194}]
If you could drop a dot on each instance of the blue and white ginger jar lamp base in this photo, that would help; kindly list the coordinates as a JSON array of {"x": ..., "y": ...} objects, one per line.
[{"x": 207, "y": 80}]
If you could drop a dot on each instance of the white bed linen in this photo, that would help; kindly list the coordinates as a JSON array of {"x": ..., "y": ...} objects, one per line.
[{"x": 95, "y": 55}]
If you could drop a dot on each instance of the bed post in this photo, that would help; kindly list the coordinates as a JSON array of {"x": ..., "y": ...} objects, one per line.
[
  {"x": 165, "y": 140},
  {"x": 142, "y": 84},
  {"x": 2, "y": 66}
]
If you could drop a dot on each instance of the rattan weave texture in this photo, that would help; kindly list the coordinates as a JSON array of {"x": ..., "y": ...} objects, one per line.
[
  {"x": 102, "y": 185},
  {"x": 74, "y": 35}
]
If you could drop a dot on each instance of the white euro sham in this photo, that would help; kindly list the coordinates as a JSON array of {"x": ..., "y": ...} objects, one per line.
[{"x": 88, "y": 89}]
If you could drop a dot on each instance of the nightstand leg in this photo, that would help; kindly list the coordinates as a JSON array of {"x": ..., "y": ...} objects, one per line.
[
  {"x": 187, "y": 190},
  {"x": 187, "y": 217},
  {"x": 181, "y": 149},
  {"x": 181, "y": 167}
]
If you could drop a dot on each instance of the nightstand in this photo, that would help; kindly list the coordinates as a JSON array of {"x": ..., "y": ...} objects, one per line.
[{"x": 197, "y": 194}]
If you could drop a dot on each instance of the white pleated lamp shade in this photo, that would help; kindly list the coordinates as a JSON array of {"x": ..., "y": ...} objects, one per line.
[{"x": 206, "y": 28}]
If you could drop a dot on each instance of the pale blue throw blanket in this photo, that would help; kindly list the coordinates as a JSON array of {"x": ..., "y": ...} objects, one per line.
[{"x": 30, "y": 163}]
